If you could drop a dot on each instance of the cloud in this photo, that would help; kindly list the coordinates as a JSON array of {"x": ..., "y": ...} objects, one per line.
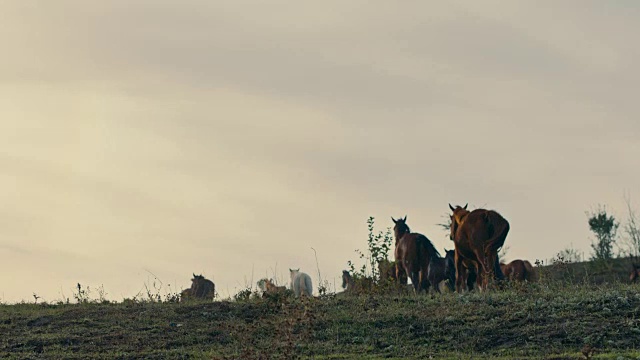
[{"x": 204, "y": 137}]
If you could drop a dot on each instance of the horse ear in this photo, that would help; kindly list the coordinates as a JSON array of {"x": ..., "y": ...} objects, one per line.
[
  {"x": 465, "y": 206},
  {"x": 405, "y": 218},
  {"x": 394, "y": 220},
  {"x": 194, "y": 275},
  {"x": 451, "y": 207}
]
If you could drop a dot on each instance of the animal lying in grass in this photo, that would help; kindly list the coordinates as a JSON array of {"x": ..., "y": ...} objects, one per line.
[
  {"x": 518, "y": 270},
  {"x": 300, "y": 283},
  {"x": 201, "y": 288},
  {"x": 268, "y": 287}
]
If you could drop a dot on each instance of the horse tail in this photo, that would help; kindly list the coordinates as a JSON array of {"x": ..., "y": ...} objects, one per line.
[
  {"x": 499, "y": 227},
  {"x": 308, "y": 286}
]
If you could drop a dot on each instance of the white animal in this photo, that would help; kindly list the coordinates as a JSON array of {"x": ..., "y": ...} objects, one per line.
[{"x": 300, "y": 283}]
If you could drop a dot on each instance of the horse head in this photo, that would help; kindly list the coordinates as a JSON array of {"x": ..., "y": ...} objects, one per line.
[
  {"x": 345, "y": 278},
  {"x": 400, "y": 227},
  {"x": 456, "y": 219}
]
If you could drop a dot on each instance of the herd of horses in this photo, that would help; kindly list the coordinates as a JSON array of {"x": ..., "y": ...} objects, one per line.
[{"x": 477, "y": 235}]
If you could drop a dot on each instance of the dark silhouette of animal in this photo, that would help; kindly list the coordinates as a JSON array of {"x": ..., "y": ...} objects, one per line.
[
  {"x": 635, "y": 273},
  {"x": 478, "y": 235},
  {"x": 347, "y": 282},
  {"x": 413, "y": 253},
  {"x": 201, "y": 288},
  {"x": 442, "y": 269}
]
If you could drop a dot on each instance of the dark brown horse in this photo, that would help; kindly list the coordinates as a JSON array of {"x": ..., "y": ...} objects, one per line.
[
  {"x": 441, "y": 269},
  {"x": 201, "y": 288},
  {"x": 517, "y": 270},
  {"x": 478, "y": 235},
  {"x": 413, "y": 253},
  {"x": 635, "y": 273}
]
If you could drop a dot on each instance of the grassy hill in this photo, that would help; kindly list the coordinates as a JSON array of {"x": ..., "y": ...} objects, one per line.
[{"x": 552, "y": 319}]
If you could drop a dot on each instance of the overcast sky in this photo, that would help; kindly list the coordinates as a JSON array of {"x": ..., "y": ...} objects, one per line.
[{"x": 230, "y": 137}]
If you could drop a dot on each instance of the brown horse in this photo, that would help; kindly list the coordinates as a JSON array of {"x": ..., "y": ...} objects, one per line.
[
  {"x": 478, "y": 236},
  {"x": 413, "y": 253},
  {"x": 441, "y": 269},
  {"x": 201, "y": 288},
  {"x": 635, "y": 273},
  {"x": 517, "y": 270}
]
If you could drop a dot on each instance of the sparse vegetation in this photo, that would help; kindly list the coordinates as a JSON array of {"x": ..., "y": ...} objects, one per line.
[
  {"x": 576, "y": 310},
  {"x": 605, "y": 229},
  {"x": 549, "y": 320}
]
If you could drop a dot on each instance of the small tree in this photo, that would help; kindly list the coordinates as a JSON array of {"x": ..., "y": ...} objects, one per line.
[
  {"x": 378, "y": 246},
  {"x": 569, "y": 254},
  {"x": 605, "y": 228}
]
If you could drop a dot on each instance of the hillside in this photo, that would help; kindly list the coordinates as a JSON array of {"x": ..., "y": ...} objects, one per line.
[{"x": 523, "y": 321}]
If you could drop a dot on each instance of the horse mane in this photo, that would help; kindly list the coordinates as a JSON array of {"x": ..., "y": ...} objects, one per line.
[{"x": 428, "y": 246}]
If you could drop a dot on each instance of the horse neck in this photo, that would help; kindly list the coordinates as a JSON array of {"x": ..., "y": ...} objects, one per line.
[{"x": 401, "y": 235}]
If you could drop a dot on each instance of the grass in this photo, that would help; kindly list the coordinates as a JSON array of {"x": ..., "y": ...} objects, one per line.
[
  {"x": 538, "y": 321},
  {"x": 575, "y": 311}
]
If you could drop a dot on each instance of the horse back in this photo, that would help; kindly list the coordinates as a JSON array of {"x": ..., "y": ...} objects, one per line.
[{"x": 482, "y": 229}]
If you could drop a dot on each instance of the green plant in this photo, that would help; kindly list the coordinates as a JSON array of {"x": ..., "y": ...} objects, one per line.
[
  {"x": 605, "y": 228},
  {"x": 378, "y": 246}
]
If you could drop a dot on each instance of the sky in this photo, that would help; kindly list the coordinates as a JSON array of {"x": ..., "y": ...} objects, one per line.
[{"x": 143, "y": 141}]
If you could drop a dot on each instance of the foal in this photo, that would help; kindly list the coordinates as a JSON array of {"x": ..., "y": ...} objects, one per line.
[{"x": 442, "y": 268}]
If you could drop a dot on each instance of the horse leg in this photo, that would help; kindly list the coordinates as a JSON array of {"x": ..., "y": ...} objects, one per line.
[
  {"x": 436, "y": 284},
  {"x": 460, "y": 272},
  {"x": 415, "y": 281},
  {"x": 398, "y": 278},
  {"x": 424, "y": 278},
  {"x": 482, "y": 270},
  {"x": 415, "y": 278}
]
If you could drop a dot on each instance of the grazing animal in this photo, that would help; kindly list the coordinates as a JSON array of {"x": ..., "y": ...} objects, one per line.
[
  {"x": 478, "y": 235},
  {"x": 413, "y": 252},
  {"x": 635, "y": 273},
  {"x": 515, "y": 270},
  {"x": 201, "y": 288},
  {"x": 268, "y": 287},
  {"x": 387, "y": 271},
  {"x": 300, "y": 283},
  {"x": 441, "y": 269}
]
